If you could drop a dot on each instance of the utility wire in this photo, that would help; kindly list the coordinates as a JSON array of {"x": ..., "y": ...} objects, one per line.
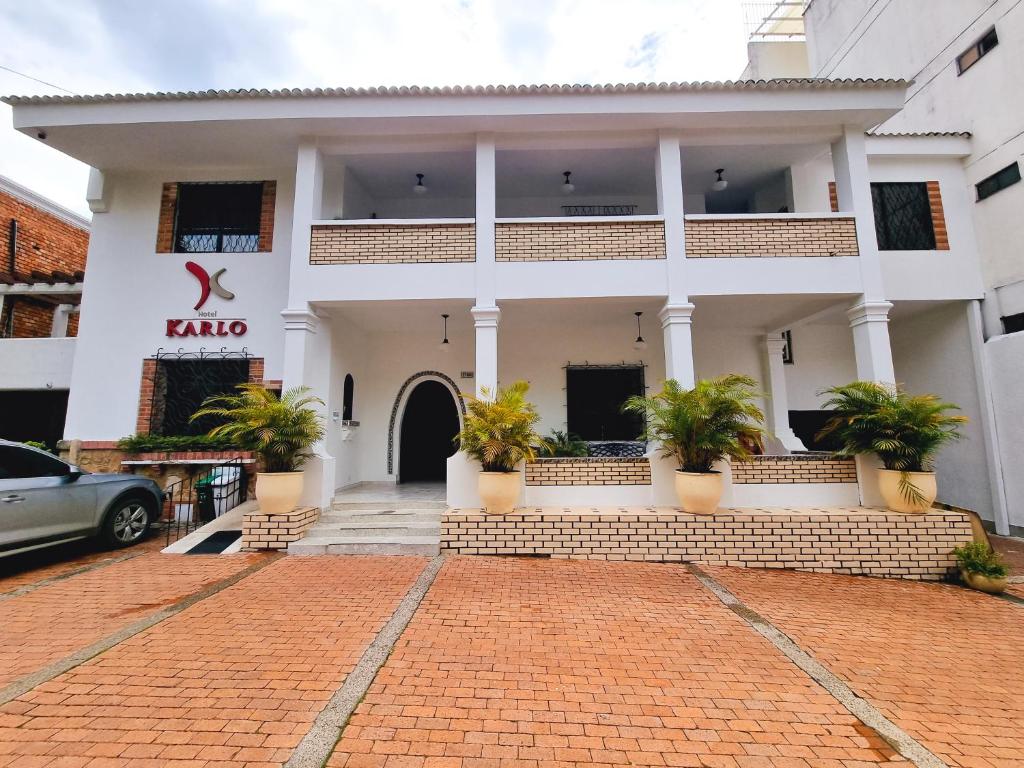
[{"x": 36, "y": 79}]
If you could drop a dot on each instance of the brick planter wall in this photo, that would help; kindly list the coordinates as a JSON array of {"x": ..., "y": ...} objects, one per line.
[
  {"x": 570, "y": 471},
  {"x": 769, "y": 237},
  {"x": 794, "y": 469},
  {"x": 865, "y": 542},
  {"x": 579, "y": 241},
  {"x": 261, "y": 531},
  {"x": 392, "y": 243}
]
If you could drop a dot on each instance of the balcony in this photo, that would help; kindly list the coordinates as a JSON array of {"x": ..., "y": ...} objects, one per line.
[
  {"x": 393, "y": 241},
  {"x": 730, "y": 236}
]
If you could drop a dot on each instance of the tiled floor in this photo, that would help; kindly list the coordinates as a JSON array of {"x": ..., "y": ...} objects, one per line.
[{"x": 383, "y": 492}]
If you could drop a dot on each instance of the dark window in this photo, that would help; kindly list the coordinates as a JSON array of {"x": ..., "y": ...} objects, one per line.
[
  {"x": 807, "y": 424},
  {"x": 787, "y": 351},
  {"x": 972, "y": 55},
  {"x": 218, "y": 218},
  {"x": 1013, "y": 323},
  {"x": 903, "y": 216},
  {"x": 594, "y": 398},
  {"x": 181, "y": 387},
  {"x": 16, "y": 463},
  {"x": 998, "y": 181},
  {"x": 346, "y": 398}
]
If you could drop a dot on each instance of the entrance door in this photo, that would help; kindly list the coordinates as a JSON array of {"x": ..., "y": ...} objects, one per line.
[{"x": 429, "y": 426}]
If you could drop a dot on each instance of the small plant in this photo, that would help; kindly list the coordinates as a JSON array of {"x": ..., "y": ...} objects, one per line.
[
  {"x": 566, "y": 445},
  {"x": 170, "y": 443},
  {"x": 280, "y": 429},
  {"x": 980, "y": 558},
  {"x": 716, "y": 419},
  {"x": 501, "y": 432},
  {"x": 38, "y": 444},
  {"x": 904, "y": 431}
]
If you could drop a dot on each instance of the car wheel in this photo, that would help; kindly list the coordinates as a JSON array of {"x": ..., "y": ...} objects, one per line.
[{"x": 127, "y": 522}]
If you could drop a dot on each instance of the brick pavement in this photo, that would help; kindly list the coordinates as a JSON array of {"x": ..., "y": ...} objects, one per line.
[
  {"x": 942, "y": 662},
  {"x": 232, "y": 681},
  {"x": 559, "y": 663}
]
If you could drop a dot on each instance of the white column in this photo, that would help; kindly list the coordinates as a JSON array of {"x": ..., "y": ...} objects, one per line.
[
  {"x": 872, "y": 349},
  {"x": 306, "y": 207},
  {"x": 778, "y": 403},
  {"x": 677, "y": 332},
  {"x": 853, "y": 188},
  {"x": 307, "y": 362},
  {"x": 59, "y": 326},
  {"x": 486, "y": 206},
  {"x": 486, "y": 321},
  {"x": 669, "y": 181}
]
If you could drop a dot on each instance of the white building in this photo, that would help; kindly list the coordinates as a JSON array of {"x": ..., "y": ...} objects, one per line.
[{"x": 551, "y": 216}]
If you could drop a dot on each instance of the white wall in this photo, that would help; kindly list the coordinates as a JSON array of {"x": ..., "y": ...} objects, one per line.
[
  {"x": 776, "y": 58},
  {"x": 36, "y": 363},
  {"x": 349, "y": 355},
  {"x": 932, "y": 354},
  {"x": 1006, "y": 366},
  {"x": 823, "y": 357},
  {"x": 130, "y": 291}
]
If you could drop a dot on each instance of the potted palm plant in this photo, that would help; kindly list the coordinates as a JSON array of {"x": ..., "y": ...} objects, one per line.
[
  {"x": 717, "y": 419},
  {"x": 280, "y": 430},
  {"x": 982, "y": 568},
  {"x": 904, "y": 431},
  {"x": 500, "y": 432}
]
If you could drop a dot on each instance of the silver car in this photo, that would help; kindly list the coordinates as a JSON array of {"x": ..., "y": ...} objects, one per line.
[{"x": 45, "y": 501}]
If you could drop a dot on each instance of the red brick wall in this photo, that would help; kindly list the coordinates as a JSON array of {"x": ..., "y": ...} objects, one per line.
[
  {"x": 33, "y": 319},
  {"x": 934, "y": 200},
  {"x": 46, "y": 243}
]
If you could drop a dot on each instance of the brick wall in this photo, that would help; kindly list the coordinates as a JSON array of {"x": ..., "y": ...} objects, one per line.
[
  {"x": 46, "y": 243},
  {"x": 579, "y": 241},
  {"x": 568, "y": 471},
  {"x": 776, "y": 470},
  {"x": 32, "y": 318},
  {"x": 934, "y": 202},
  {"x": 392, "y": 243},
  {"x": 770, "y": 237},
  {"x": 262, "y": 531},
  {"x": 865, "y": 542}
]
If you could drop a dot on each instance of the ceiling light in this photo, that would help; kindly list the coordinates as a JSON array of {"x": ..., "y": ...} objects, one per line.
[
  {"x": 639, "y": 343},
  {"x": 420, "y": 188},
  {"x": 444, "y": 346},
  {"x": 568, "y": 187},
  {"x": 720, "y": 183}
]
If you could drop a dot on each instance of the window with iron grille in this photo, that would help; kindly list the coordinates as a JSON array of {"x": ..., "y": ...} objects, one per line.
[
  {"x": 903, "y": 216},
  {"x": 972, "y": 55},
  {"x": 998, "y": 181},
  {"x": 182, "y": 385},
  {"x": 220, "y": 217},
  {"x": 594, "y": 398}
]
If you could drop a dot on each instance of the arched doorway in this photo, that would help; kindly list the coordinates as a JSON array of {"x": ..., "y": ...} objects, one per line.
[{"x": 430, "y": 423}]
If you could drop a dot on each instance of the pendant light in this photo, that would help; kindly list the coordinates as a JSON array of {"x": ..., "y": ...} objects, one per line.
[
  {"x": 568, "y": 187},
  {"x": 639, "y": 343},
  {"x": 720, "y": 183},
  {"x": 444, "y": 346},
  {"x": 420, "y": 188}
]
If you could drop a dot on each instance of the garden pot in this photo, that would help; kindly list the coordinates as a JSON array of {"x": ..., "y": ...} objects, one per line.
[
  {"x": 699, "y": 492},
  {"x": 982, "y": 583},
  {"x": 278, "y": 492},
  {"x": 889, "y": 487},
  {"x": 499, "y": 492}
]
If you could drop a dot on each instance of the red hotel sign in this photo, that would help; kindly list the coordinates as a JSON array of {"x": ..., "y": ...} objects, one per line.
[{"x": 201, "y": 326}]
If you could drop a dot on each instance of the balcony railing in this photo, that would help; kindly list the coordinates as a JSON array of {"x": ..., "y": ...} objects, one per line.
[
  {"x": 770, "y": 235},
  {"x": 580, "y": 238},
  {"x": 392, "y": 241}
]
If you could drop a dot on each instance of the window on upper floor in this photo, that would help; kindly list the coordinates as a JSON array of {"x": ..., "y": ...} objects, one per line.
[
  {"x": 972, "y": 55},
  {"x": 998, "y": 181},
  {"x": 903, "y": 216},
  {"x": 218, "y": 217}
]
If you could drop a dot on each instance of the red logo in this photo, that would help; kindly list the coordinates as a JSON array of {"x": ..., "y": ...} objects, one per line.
[{"x": 208, "y": 283}]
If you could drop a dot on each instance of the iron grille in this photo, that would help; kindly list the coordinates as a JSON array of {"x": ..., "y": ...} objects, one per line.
[
  {"x": 184, "y": 380},
  {"x": 222, "y": 217},
  {"x": 192, "y": 502},
  {"x": 903, "y": 216},
  {"x": 598, "y": 210}
]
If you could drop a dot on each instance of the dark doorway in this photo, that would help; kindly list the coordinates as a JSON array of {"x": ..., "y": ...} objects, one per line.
[
  {"x": 33, "y": 414},
  {"x": 429, "y": 426}
]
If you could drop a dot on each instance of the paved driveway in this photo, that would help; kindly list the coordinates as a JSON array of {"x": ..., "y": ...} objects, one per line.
[{"x": 254, "y": 661}]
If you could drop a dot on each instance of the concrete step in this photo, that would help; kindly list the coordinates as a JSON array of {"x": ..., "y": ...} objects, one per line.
[
  {"x": 357, "y": 515},
  {"x": 355, "y": 545},
  {"x": 392, "y": 505},
  {"x": 382, "y": 531}
]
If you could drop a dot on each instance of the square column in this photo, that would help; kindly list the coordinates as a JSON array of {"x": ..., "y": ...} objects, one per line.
[
  {"x": 307, "y": 362},
  {"x": 778, "y": 410},
  {"x": 677, "y": 332},
  {"x": 486, "y": 207},
  {"x": 669, "y": 181},
  {"x": 485, "y": 319},
  {"x": 853, "y": 189},
  {"x": 306, "y": 208},
  {"x": 872, "y": 348}
]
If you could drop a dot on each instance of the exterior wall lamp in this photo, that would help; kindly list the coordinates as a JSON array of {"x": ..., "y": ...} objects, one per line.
[{"x": 444, "y": 346}]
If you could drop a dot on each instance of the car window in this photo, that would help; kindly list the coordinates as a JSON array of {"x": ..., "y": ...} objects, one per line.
[{"x": 18, "y": 462}]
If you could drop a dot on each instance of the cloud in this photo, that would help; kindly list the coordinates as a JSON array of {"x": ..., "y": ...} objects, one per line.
[{"x": 104, "y": 46}]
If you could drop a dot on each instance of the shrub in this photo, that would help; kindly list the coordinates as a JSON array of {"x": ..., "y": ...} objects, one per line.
[
  {"x": 501, "y": 432},
  {"x": 566, "y": 444},
  {"x": 980, "y": 558},
  {"x": 714, "y": 420},
  {"x": 38, "y": 444},
  {"x": 170, "y": 443}
]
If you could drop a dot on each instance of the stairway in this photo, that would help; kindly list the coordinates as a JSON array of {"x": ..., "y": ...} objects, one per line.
[{"x": 392, "y": 527}]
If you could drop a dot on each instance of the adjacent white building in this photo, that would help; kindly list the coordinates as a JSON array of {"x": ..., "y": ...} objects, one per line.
[{"x": 337, "y": 238}]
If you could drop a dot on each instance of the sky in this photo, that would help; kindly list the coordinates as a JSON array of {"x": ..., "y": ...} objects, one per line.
[{"x": 117, "y": 46}]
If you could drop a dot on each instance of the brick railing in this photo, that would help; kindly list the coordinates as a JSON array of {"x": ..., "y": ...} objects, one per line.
[
  {"x": 608, "y": 471},
  {"x": 392, "y": 243},
  {"x": 751, "y": 236},
  {"x": 779, "y": 470},
  {"x": 572, "y": 240}
]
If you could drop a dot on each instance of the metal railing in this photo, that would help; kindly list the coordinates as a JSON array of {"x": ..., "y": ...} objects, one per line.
[{"x": 192, "y": 502}]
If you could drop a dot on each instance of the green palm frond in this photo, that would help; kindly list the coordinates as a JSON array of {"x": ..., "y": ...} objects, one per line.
[
  {"x": 501, "y": 431},
  {"x": 716, "y": 419},
  {"x": 280, "y": 429}
]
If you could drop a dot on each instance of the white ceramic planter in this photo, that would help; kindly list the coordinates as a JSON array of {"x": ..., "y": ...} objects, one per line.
[
  {"x": 499, "y": 491},
  {"x": 889, "y": 487},
  {"x": 699, "y": 492},
  {"x": 278, "y": 492}
]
